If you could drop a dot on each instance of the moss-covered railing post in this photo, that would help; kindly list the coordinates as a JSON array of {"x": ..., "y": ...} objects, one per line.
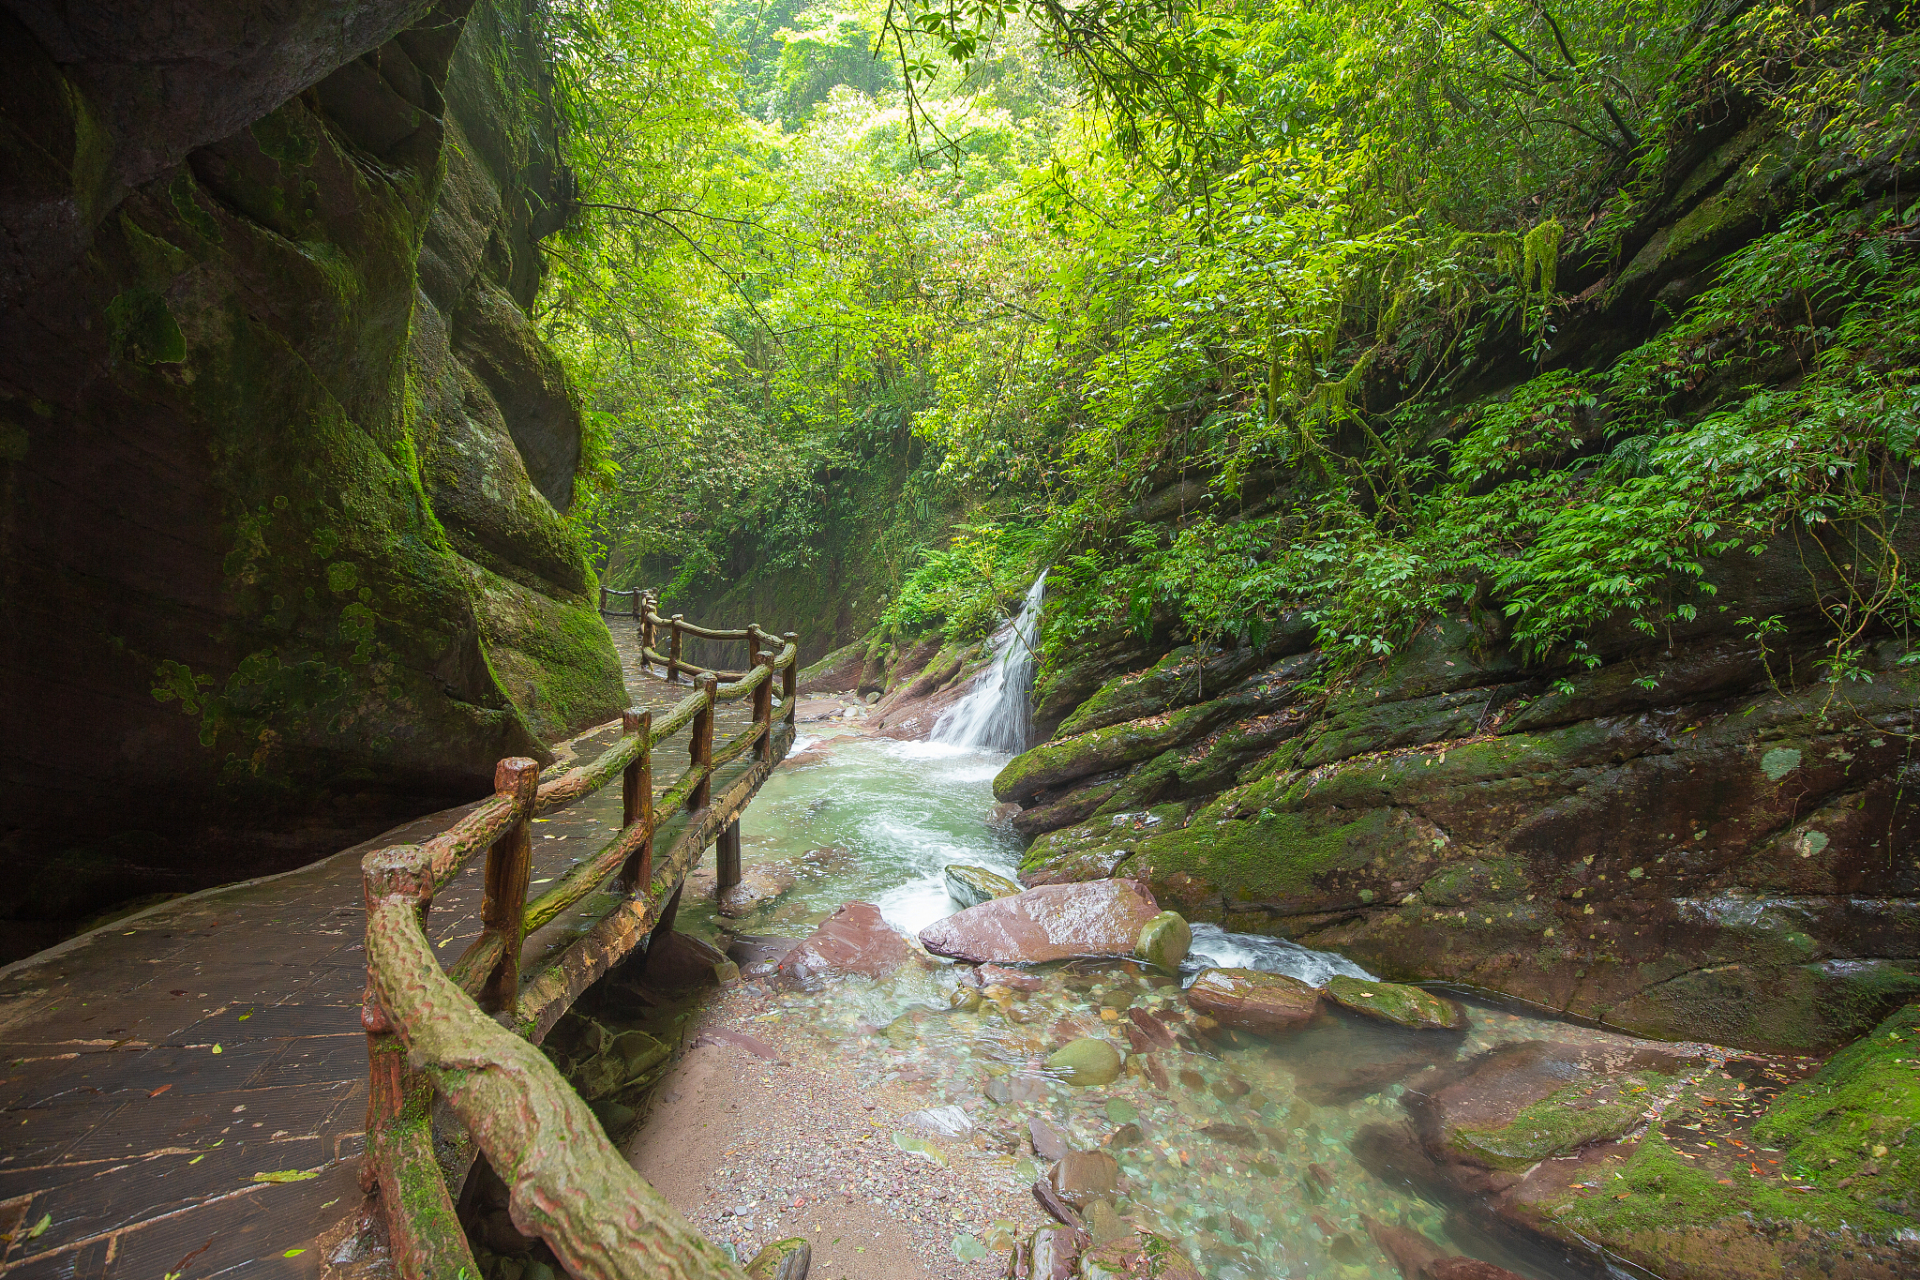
[
  {"x": 790, "y": 675},
  {"x": 763, "y": 707},
  {"x": 636, "y": 803},
  {"x": 673, "y": 649},
  {"x": 646, "y": 629},
  {"x": 423, "y": 1230},
  {"x": 700, "y": 748},
  {"x": 509, "y": 864}
]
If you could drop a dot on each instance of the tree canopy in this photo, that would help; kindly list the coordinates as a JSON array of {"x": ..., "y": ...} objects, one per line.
[{"x": 1362, "y": 275}]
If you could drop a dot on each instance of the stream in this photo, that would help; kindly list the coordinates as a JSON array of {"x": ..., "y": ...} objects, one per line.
[{"x": 1244, "y": 1156}]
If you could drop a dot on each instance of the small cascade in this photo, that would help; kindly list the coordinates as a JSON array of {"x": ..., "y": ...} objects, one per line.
[{"x": 997, "y": 714}]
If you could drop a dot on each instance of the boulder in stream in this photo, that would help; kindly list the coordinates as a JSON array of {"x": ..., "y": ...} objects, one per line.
[
  {"x": 1141, "y": 1256},
  {"x": 1250, "y": 1000},
  {"x": 1052, "y": 922},
  {"x": 1081, "y": 1177},
  {"x": 855, "y": 939},
  {"x": 1052, "y": 1252},
  {"x": 787, "y": 1259},
  {"x": 1086, "y": 1062},
  {"x": 971, "y": 886},
  {"x": 756, "y": 889},
  {"x": 1164, "y": 940},
  {"x": 1397, "y": 1003}
]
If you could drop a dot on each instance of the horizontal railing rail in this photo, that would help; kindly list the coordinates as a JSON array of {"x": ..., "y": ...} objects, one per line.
[
  {"x": 645, "y": 608},
  {"x": 468, "y": 1033}
]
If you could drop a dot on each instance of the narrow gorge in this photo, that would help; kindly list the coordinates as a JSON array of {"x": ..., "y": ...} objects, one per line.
[{"x": 1290, "y": 623}]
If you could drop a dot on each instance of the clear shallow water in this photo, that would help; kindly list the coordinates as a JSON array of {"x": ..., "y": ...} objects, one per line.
[{"x": 1242, "y": 1150}]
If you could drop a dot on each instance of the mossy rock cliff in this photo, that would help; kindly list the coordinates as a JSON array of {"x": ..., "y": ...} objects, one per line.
[{"x": 271, "y": 463}]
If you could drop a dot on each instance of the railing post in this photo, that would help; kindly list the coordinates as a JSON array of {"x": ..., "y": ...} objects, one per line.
[
  {"x": 636, "y": 803},
  {"x": 673, "y": 648},
  {"x": 763, "y": 708},
  {"x": 509, "y": 863},
  {"x": 700, "y": 745},
  {"x": 603, "y": 599},
  {"x": 726, "y": 856},
  {"x": 790, "y": 675},
  {"x": 636, "y": 602},
  {"x": 646, "y": 629}
]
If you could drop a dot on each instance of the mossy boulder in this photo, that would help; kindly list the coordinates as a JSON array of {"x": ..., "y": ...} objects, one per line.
[
  {"x": 971, "y": 886},
  {"x": 1189, "y": 674},
  {"x": 1141, "y": 1255},
  {"x": 1164, "y": 941},
  {"x": 1085, "y": 1062},
  {"x": 1397, "y": 1003},
  {"x": 787, "y": 1259},
  {"x": 1051, "y": 764}
]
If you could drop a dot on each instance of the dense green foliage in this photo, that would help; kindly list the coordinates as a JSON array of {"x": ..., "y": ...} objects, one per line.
[{"x": 1329, "y": 262}]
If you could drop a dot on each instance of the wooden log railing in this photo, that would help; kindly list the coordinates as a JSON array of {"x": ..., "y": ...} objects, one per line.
[
  {"x": 646, "y": 609},
  {"x": 469, "y": 1033}
]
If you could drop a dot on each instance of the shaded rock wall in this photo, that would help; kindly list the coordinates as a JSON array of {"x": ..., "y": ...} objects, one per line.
[{"x": 281, "y": 472}]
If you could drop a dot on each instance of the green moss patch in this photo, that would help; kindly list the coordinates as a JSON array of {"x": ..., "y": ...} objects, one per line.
[
  {"x": 1565, "y": 1121},
  {"x": 1397, "y": 1003},
  {"x": 1853, "y": 1128}
]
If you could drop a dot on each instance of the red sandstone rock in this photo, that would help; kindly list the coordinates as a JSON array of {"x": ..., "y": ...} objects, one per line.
[
  {"x": 1052, "y": 922},
  {"x": 994, "y": 975},
  {"x": 1254, "y": 1001},
  {"x": 854, "y": 939}
]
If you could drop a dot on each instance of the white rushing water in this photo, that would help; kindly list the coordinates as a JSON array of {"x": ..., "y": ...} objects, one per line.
[{"x": 997, "y": 714}]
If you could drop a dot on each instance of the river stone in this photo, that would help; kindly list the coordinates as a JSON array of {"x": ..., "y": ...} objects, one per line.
[
  {"x": 1397, "y": 1003},
  {"x": 1048, "y": 1142},
  {"x": 1141, "y": 1256},
  {"x": 756, "y": 889},
  {"x": 971, "y": 886},
  {"x": 787, "y": 1259},
  {"x": 680, "y": 960},
  {"x": 1254, "y": 1001},
  {"x": 1086, "y": 1061},
  {"x": 995, "y": 975},
  {"x": 1081, "y": 1177},
  {"x": 855, "y": 939},
  {"x": 1052, "y": 922},
  {"x": 1164, "y": 941},
  {"x": 1054, "y": 1250}
]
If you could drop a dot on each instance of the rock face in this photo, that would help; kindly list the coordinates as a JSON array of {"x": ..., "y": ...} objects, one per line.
[
  {"x": 1053, "y": 922},
  {"x": 1392, "y": 1002},
  {"x": 1264, "y": 1003},
  {"x": 853, "y": 940},
  {"x": 971, "y": 886},
  {"x": 285, "y": 466},
  {"x": 1682, "y": 1163},
  {"x": 1689, "y": 853}
]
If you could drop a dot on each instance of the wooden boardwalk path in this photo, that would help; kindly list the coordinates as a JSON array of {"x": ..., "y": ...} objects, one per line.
[{"x": 185, "y": 1090}]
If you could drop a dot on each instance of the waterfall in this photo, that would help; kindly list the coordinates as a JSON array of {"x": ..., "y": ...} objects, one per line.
[{"x": 996, "y": 714}]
